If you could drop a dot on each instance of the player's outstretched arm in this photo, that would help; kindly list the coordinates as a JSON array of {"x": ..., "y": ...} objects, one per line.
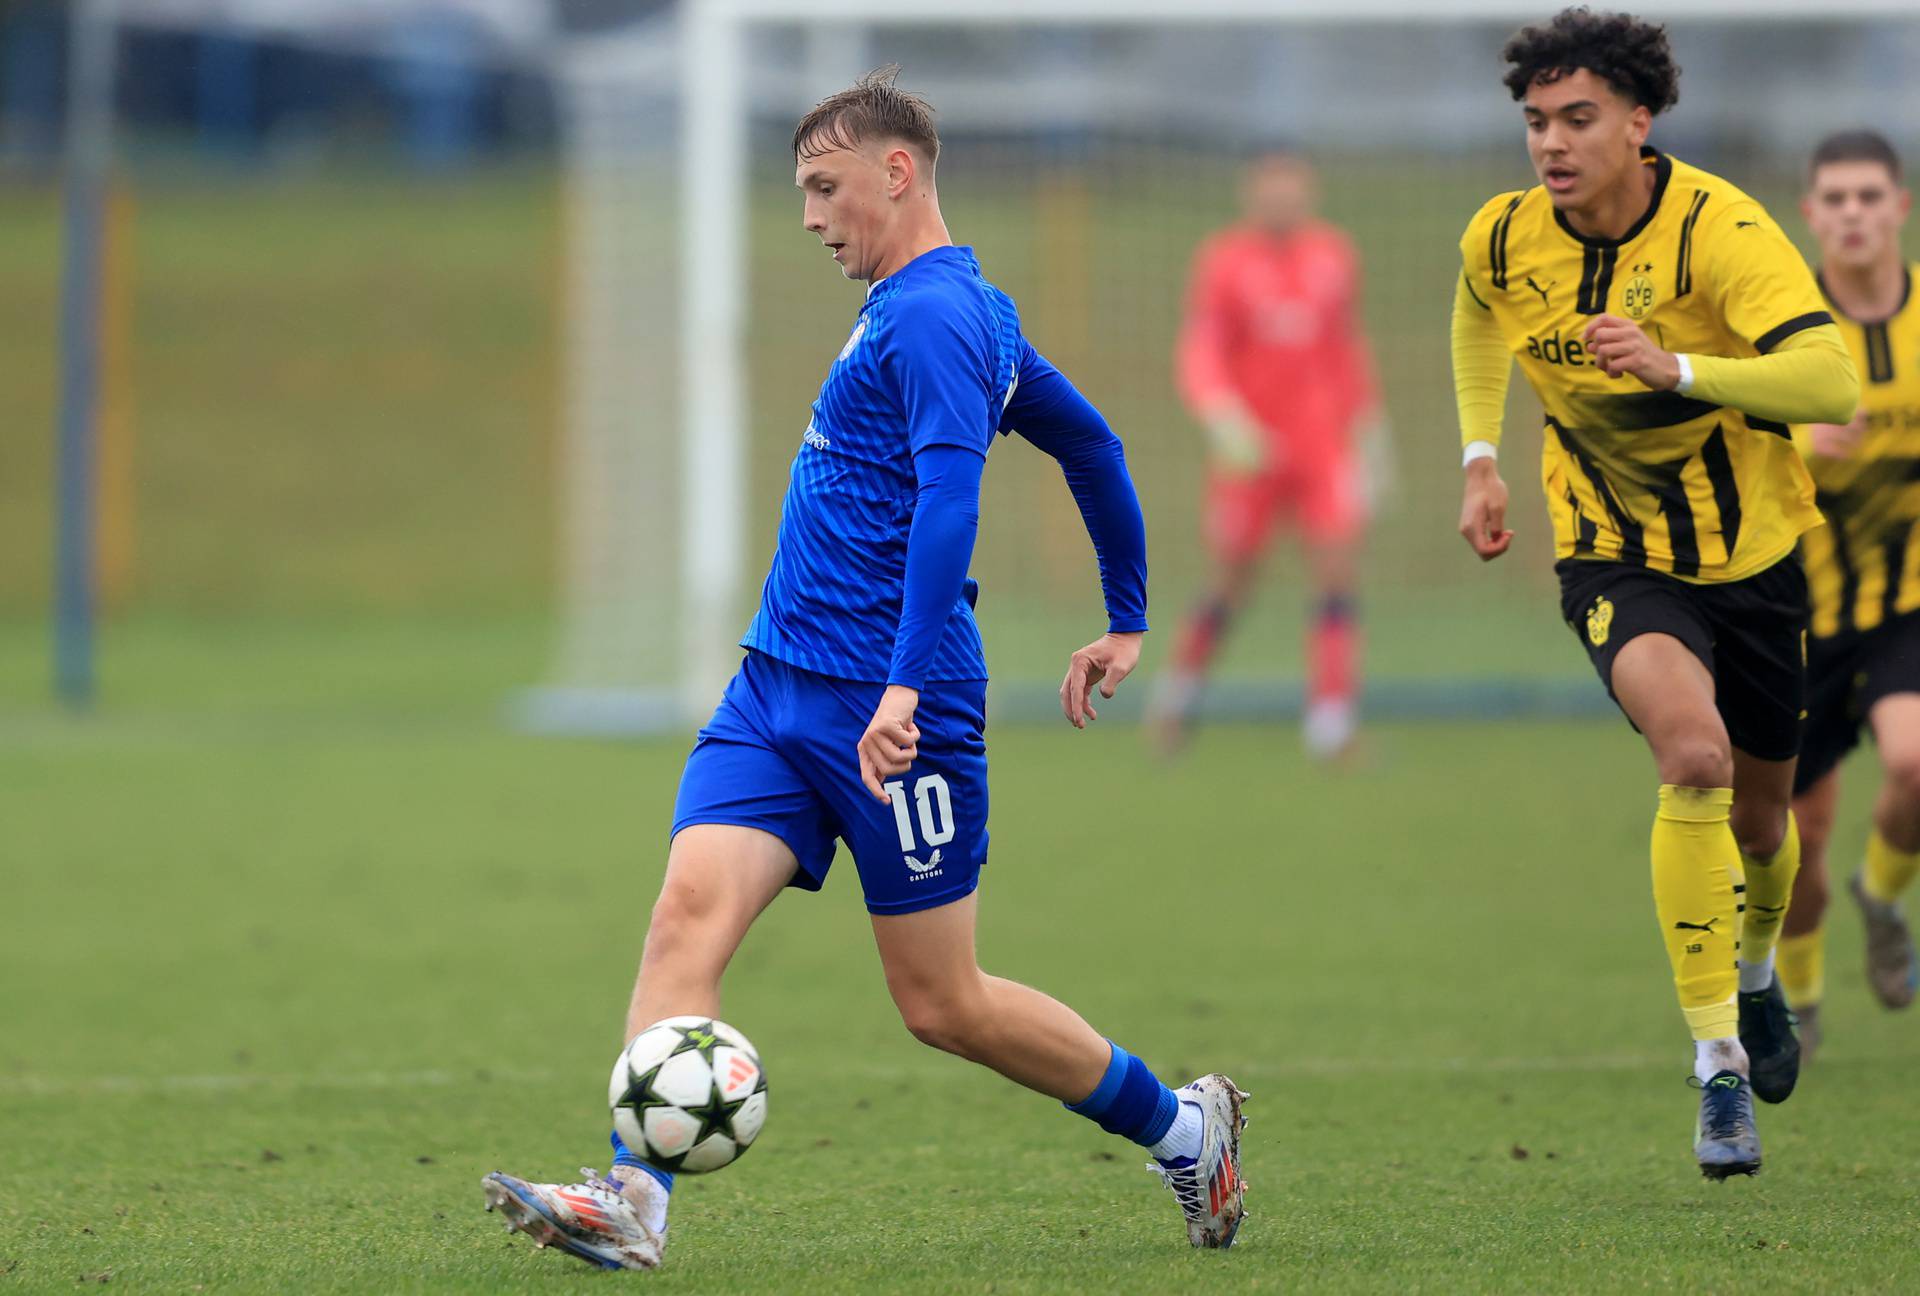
[
  {"x": 1048, "y": 411},
  {"x": 1480, "y": 369}
]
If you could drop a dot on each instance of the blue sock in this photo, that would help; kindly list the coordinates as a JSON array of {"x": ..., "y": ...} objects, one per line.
[
  {"x": 1130, "y": 1101},
  {"x": 625, "y": 1160}
]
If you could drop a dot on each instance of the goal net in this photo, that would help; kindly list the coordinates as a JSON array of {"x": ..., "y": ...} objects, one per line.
[{"x": 1087, "y": 150}]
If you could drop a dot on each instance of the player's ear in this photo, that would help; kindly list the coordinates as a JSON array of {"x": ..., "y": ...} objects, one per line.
[
  {"x": 1904, "y": 201},
  {"x": 902, "y": 170},
  {"x": 1639, "y": 125}
]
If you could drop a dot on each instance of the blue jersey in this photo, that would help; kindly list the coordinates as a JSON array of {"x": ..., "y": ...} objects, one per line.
[{"x": 933, "y": 360}]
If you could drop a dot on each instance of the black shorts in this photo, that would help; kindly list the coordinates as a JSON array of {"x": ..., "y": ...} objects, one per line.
[
  {"x": 1751, "y": 634},
  {"x": 1846, "y": 675}
]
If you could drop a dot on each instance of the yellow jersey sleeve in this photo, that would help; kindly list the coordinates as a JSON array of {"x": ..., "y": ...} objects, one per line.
[
  {"x": 1481, "y": 367},
  {"x": 1808, "y": 377},
  {"x": 1756, "y": 277},
  {"x": 1482, "y": 363}
]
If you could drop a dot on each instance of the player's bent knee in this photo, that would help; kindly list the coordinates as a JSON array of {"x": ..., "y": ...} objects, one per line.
[
  {"x": 1697, "y": 763},
  {"x": 1760, "y": 834},
  {"x": 950, "y": 1023},
  {"x": 1902, "y": 773}
]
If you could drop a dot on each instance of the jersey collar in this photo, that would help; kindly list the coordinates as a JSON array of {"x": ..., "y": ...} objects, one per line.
[
  {"x": 1662, "y": 172},
  {"x": 1906, "y": 291},
  {"x": 952, "y": 254}
]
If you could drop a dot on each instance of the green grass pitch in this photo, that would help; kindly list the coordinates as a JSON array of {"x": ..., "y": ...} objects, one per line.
[
  {"x": 296, "y": 942},
  {"x": 283, "y": 982}
]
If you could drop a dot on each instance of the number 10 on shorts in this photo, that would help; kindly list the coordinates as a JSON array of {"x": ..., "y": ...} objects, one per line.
[{"x": 935, "y": 804}]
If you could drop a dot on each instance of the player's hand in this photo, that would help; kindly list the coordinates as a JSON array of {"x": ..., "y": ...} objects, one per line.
[
  {"x": 892, "y": 739},
  {"x": 1105, "y": 662},
  {"x": 1236, "y": 443},
  {"x": 1483, "y": 511},
  {"x": 1837, "y": 440},
  {"x": 1619, "y": 347}
]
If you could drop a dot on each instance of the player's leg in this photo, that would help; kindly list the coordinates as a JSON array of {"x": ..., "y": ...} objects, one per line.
[
  {"x": 1801, "y": 954},
  {"x": 1332, "y": 716},
  {"x": 1760, "y": 673},
  {"x": 1666, "y": 690},
  {"x": 1893, "y": 849},
  {"x": 1831, "y": 730},
  {"x": 949, "y": 1003},
  {"x": 920, "y": 855},
  {"x": 1241, "y": 513},
  {"x": 719, "y": 879},
  {"x": 1332, "y": 523},
  {"x": 746, "y": 824},
  {"x": 1770, "y": 855},
  {"x": 1668, "y": 693}
]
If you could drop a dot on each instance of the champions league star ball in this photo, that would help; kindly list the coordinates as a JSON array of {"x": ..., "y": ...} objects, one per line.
[{"x": 688, "y": 1095}]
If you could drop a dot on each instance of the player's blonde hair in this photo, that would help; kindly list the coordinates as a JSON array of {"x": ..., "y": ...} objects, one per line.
[{"x": 874, "y": 107}]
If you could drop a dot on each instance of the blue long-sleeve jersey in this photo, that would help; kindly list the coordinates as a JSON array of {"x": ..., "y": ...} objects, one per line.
[{"x": 869, "y": 579}]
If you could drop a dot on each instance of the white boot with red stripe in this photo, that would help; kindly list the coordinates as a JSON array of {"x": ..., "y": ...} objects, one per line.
[
  {"x": 1208, "y": 1186},
  {"x": 601, "y": 1220}
]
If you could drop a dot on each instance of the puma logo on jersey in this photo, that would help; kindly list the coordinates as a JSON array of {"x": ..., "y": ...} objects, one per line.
[
  {"x": 1541, "y": 290},
  {"x": 1706, "y": 926},
  {"x": 1740, "y": 224}
]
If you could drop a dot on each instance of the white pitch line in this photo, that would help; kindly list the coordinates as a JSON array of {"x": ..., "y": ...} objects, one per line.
[
  {"x": 33, "y": 1086},
  {"x": 36, "y": 1086},
  {"x": 40, "y": 1086}
]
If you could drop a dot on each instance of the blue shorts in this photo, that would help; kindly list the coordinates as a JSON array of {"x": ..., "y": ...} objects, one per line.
[{"x": 781, "y": 755}]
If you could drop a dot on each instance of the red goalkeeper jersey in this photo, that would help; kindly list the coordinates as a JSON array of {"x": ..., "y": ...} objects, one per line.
[{"x": 1272, "y": 326}]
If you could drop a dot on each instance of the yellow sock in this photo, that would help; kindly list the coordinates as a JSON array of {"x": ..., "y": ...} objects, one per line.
[
  {"x": 1889, "y": 872},
  {"x": 1802, "y": 965},
  {"x": 1696, "y": 867},
  {"x": 1769, "y": 887}
]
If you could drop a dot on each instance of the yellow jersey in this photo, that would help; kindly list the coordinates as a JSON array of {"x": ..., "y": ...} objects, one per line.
[
  {"x": 1654, "y": 478},
  {"x": 1863, "y": 567}
]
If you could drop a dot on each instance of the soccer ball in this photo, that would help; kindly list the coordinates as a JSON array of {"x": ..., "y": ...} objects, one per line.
[{"x": 688, "y": 1095}]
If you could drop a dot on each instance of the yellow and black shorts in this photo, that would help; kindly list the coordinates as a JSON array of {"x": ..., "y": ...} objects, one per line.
[{"x": 1749, "y": 633}]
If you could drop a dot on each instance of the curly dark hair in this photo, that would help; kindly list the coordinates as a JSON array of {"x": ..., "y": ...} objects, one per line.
[{"x": 1628, "y": 54}]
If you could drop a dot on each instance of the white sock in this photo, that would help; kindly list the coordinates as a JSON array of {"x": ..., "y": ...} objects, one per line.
[
  {"x": 1329, "y": 726},
  {"x": 1711, "y": 1057},
  {"x": 647, "y": 1195},
  {"x": 1755, "y": 977},
  {"x": 1183, "y": 1139}
]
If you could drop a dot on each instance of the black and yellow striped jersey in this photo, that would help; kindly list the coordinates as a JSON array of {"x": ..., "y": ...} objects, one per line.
[
  {"x": 1634, "y": 475},
  {"x": 1864, "y": 565}
]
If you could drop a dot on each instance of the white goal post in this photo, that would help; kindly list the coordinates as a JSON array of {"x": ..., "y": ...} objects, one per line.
[{"x": 705, "y": 557}]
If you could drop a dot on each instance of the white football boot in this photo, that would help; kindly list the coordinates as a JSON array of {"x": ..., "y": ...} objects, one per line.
[
  {"x": 601, "y": 1220},
  {"x": 1209, "y": 1188}
]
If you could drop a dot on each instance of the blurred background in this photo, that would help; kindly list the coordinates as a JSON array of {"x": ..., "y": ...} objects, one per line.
[{"x": 385, "y": 405}]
